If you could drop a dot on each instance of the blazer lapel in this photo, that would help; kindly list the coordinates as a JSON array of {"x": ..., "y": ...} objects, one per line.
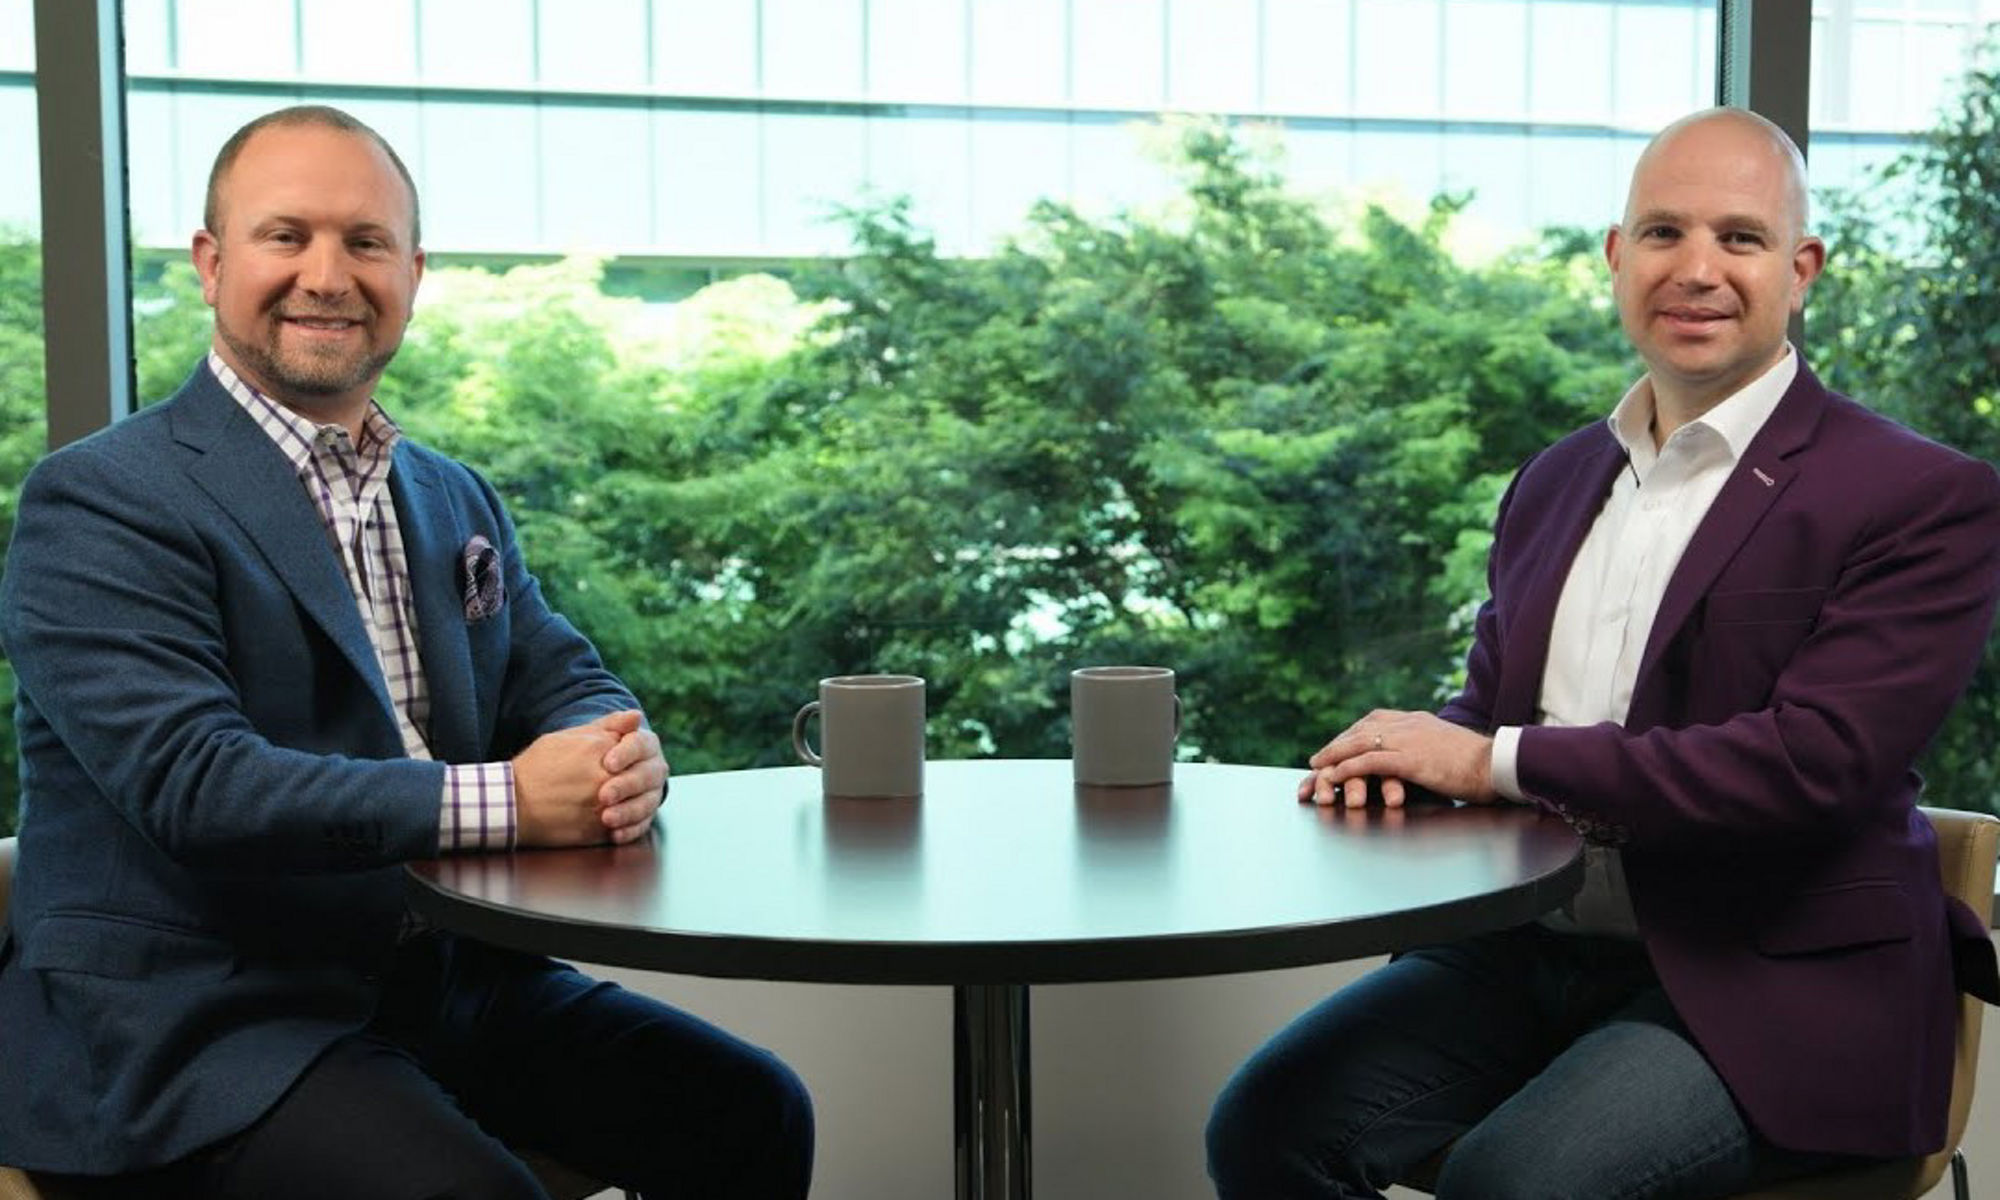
[
  {"x": 1759, "y": 478},
  {"x": 433, "y": 544},
  {"x": 249, "y": 479},
  {"x": 1563, "y": 530}
]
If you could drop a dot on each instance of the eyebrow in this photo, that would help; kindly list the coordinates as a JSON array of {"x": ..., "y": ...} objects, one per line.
[
  {"x": 373, "y": 228},
  {"x": 1733, "y": 221}
]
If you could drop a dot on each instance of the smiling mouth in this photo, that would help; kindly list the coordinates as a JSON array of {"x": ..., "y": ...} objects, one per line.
[
  {"x": 322, "y": 324},
  {"x": 1695, "y": 318}
]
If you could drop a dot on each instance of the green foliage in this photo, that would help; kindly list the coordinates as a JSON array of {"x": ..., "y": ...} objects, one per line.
[
  {"x": 22, "y": 434},
  {"x": 1911, "y": 310}
]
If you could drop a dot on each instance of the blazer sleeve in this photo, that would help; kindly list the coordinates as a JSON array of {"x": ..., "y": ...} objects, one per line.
[
  {"x": 111, "y": 615},
  {"x": 1895, "y": 641}
]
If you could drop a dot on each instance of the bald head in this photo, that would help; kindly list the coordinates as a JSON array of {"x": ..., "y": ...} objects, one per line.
[{"x": 1755, "y": 139}]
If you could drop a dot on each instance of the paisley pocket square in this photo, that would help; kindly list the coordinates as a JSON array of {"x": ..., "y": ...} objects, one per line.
[{"x": 485, "y": 590}]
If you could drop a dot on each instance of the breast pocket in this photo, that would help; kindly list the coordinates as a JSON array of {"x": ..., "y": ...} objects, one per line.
[
  {"x": 1744, "y": 640},
  {"x": 1735, "y": 611}
]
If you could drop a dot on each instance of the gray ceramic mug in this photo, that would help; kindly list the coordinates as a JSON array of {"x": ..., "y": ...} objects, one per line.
[
  {"x": 1124, "y": 722},
  {"x": 871, "y": 735}
]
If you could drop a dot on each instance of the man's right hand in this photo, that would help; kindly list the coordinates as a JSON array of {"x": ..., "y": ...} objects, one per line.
[{"x": 556, "y": 781}]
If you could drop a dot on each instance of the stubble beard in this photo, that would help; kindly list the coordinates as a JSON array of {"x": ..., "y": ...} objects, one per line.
[{"x": 305, "y": 374}]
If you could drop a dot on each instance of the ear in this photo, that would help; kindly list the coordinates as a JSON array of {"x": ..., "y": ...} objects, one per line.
[
  {"x": 1808, "y": 260},
  {"x": 1614, "y": 243},
  {"x": 207, "y": 255}
]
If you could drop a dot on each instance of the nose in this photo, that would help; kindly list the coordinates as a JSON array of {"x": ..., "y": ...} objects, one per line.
[
  {"x": 1696, "y": 267},
  {"x": 323, "y": 268}
]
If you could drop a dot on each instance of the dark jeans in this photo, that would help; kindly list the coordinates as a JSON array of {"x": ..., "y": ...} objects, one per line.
[
  {"x": 1556, "y": 1062},
  {"x": 474, "y": 1044}
]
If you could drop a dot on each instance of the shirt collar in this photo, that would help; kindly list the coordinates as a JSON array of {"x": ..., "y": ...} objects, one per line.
[
  {"x": 296, "y": 435},
  {"x": 1736, "y": 420}
]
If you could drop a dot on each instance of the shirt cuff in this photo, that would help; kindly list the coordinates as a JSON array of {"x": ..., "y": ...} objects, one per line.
[
  {"x": 1506, "y": 770},
  {"x": 478, "y": 807}
]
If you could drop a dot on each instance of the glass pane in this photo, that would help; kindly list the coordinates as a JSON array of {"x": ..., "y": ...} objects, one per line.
[
  {"x": 1398, "y": 47},
  {"x": 479, "y": 188},
  {"x": 17, "y": 35},
  {"x": 235, "y": 38},
  {"x": 1486, "y": 60},
  {"x": 478, "y": 42},
  {"x": 811, "y": 164},
  {"x": 1571, "y": 66},
  {"x": 373, "y": 41},
  {"x": 1117, "y": 53},
  {"x": 705, "y": 46},
  {"x": 1669, "y": 38},
  {"x": 813, "y": 49},
  {"x": 1212, "y": 56},
  {"x": 597, "y": 179},
  {"x": 916, "y": 51},
  {"x": 709, "y": 200},
  {"x": 1020, "y": 52},
  {"x": 904, "y": 159},
  {"x": 1308, "y": 56},
  {"x": 592, "y": 44}
]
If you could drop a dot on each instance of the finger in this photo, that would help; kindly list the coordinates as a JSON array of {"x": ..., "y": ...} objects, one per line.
[
  {"x": 1306, "y": 787},
  {"x": 648, "y": 775},
  {"x": 631, "y": 833},
  {"x": 630, "y": 812},
  {"x": 621, "y": 722},
  {"x": 634, "y": 747},
  {"x": 1392, "y": 792},
  {"x": 1326, "y": 755},
  {"x": 1356, "y": 791},
  {"x": 1322, "y": 788}
]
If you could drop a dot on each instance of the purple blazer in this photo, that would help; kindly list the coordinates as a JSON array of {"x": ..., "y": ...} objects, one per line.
[{"x": 1827, "y": 613}]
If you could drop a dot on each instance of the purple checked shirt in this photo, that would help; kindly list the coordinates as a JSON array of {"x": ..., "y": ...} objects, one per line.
[{"x": 348, "y": 485}]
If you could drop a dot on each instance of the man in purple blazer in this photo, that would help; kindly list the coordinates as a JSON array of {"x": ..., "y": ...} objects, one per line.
[{"x": 1722, "y": 626}]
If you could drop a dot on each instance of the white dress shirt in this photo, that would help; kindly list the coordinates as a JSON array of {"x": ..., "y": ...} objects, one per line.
[{"x": 1614, "y": 589}]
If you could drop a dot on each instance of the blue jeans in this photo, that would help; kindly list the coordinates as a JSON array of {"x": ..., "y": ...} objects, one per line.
[{"x": 1556, "y": 1064}]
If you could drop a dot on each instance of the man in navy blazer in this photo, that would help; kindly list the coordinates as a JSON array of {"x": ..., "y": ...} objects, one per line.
[
  {"x": 267, "y": 651},
  {"x": 1722, "y": 626}
]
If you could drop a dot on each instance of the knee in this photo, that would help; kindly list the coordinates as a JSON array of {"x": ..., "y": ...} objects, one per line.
[
  {"x": 1258, "y": 1142},
  {"x": 1480, "y": 1168},
  {"x": 783, "y": 1110}
]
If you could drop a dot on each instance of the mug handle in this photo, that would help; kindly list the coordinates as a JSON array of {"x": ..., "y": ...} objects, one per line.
[
  {"x": 805, "y": 752},
  {"x": 1177, "y": 716}
]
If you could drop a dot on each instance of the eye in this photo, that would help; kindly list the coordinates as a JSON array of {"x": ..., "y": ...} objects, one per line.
[{"x": 1743, "y": 239}]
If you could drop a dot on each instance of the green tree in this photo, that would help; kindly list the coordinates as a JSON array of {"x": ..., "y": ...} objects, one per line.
[
  {"x": 1908, "y": 319},
  {"x": 23, "y": 431}
]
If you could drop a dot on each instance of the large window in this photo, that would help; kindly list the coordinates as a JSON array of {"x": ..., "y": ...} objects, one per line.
[{"x": 1206, "y": 332}]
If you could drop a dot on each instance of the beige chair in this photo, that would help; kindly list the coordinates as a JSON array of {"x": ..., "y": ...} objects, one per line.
[
  {"x": 559, "y": 1181},
  {"x": 1967, "y": 845}
]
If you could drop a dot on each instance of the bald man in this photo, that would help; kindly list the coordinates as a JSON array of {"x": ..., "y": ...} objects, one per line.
[{"x": 1722, "y": 625}]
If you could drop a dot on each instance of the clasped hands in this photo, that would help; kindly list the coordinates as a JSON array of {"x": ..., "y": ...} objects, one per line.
[
  {"x": 582, "y": 785},
  {"x": 1401, "y": 749}
]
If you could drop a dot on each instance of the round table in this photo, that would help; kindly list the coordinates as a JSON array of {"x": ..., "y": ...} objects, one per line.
[{"x": 1003, "y": 875}]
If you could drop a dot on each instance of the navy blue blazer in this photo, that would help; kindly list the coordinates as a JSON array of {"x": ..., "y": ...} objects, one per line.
[{"x": 215, "y": 796}]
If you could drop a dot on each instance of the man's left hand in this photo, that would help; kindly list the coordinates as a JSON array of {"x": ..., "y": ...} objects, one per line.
[
  {"x": 1402, "y": 748},
  {"x": 628, "y": 799}
]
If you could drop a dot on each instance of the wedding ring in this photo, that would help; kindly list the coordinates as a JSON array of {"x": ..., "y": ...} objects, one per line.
[{"x": 1378, "y": 741}]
